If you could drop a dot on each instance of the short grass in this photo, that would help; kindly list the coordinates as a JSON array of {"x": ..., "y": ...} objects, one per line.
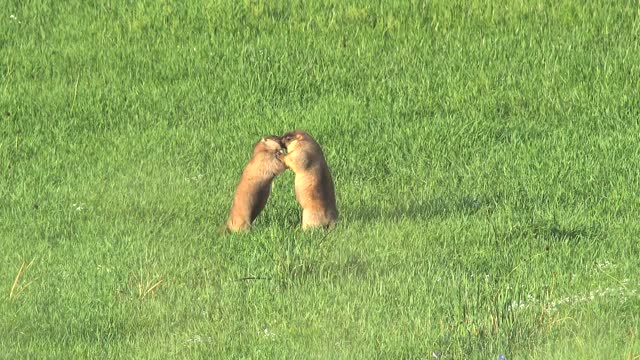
[{"x": 485, "y": 155}]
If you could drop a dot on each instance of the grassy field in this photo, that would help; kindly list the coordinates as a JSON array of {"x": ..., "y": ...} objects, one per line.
[{"x": 485, "y": 153}]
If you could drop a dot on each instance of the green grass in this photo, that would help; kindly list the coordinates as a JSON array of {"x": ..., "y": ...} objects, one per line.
[{"x": 485, "y": 156}]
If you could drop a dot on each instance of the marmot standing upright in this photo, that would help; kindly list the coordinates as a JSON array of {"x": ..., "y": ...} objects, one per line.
[
  {"x": 255, "y": 184},
  {"x": 313, "y": 183}
]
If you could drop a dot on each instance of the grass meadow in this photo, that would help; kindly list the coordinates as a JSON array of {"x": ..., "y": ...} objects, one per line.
[{"x": 485, "y": 153}]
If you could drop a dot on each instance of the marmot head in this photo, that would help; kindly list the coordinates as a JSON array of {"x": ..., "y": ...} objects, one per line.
[
  {"x": 269, "y": 143},
  {"x": 293, "y": 136}
]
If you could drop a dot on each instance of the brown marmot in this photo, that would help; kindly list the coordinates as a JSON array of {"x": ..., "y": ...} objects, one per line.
[
  {"x": 313, "y": 183},
  {"x": 254, "y": 187}
]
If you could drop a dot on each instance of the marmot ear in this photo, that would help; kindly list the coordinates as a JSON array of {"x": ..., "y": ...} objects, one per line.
[{"x": 263, "y": 140}]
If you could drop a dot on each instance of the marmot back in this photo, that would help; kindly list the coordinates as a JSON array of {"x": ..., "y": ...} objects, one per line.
[
  {"x": 314, "y": 186},
  {"x": 254, "y": 187}
]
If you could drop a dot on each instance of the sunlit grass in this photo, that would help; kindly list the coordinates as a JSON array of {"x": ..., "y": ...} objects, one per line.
[{"x": 485, "y": 157}]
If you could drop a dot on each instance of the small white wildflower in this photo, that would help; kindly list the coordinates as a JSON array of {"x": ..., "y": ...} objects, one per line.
[
  {"x": 197, "y": 339},
  {"x": 102, "y": 268},
  {"x": 269, "y": 334},
  {"x": 194, "y": 178},
  {"x": 604, "y": 265}
]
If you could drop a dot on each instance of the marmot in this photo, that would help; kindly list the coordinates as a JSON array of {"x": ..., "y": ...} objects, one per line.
[
  {"x": 255, "y": 184},
  {"x": 313, "y": 183}
]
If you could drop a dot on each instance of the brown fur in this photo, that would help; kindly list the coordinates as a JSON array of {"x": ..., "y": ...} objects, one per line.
[
  {"x": 255, "y": 184},
  {"x": 313, "y": 183}
]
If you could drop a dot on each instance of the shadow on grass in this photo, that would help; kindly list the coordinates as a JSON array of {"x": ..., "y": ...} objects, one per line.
[
  {"x": 317, "y": 269},
  {"x": 550, "y": 232},
  {"x": 419, "y": 210},
  {"x": 554, "y": 231}
]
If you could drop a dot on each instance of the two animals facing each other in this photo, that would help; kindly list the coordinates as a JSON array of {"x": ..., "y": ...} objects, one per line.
[{"x": 314, "y": 187}]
